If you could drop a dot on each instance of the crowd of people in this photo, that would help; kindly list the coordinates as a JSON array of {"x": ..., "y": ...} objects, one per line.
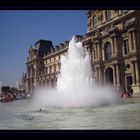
[
  {"x": 128, "y": 93},
  {"x": 10, "y": 96}
]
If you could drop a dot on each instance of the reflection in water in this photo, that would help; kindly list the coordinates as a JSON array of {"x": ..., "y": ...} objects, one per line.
[{"x": 22, "y": 115}]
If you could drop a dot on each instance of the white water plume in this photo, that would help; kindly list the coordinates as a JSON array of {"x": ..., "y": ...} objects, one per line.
[{"x": 75, "y": 85}]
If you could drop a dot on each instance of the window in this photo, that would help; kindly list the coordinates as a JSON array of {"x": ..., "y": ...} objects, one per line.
[
  {"x": 100, "y": 16},
  {"x": 49, "y": 69},
  {"x": 125, "y": 25},
  {"x": 48, "y": 61},
  {"x": 95, "y": 21},
  {"x": 52, "y": 69},
  {"x": 107, "y": 50},
  {"x": 108, "y": 14},
  {"x": 57, "y": 58},
  {"x": 59, "y": 65},
  {"x": 52, "y": 59},
  {"x": 132, "y": 45},
  {"x": 126, "y": 47}
]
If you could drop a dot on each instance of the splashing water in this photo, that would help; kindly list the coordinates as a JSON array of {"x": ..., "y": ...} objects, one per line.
[{"x": 75, "y": 85}]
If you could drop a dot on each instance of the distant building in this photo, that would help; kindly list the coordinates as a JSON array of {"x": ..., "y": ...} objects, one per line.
[
  {"x": 43, "y": 63},
  {"x": 113, "y": 40},
  {"x": 21, "y": 85}
]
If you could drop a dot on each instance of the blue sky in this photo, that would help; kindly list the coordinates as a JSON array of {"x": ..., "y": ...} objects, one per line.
[{"x": 19, "y": 29}]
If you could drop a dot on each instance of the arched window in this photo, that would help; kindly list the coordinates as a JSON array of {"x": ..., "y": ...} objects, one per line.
[
  {"x": 95, "y": 21},
  {"x": 107, "y": 51},
  {"x": 108, "y": 14}
]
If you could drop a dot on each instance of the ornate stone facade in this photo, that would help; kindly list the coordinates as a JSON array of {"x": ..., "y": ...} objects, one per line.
[
  {"x": 43, "y": 63},
  {"x": 113, "y": 38}
]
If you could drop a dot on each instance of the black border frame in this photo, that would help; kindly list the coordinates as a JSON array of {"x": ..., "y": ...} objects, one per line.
[{"x": 69, "y": 5}]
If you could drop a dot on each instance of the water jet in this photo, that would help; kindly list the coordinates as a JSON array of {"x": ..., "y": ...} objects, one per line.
[{"x": 76, "y": 86}]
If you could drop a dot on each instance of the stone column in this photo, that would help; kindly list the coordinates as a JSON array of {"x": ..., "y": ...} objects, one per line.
[
  {"x": 35, "y": 70},
  {"x": 104, "y": 80},
  {"x": 98, "y": 48},
  {"x": 103, "y": 54},
  {"x": 104, "y": 16},
  {"x": 31, "y": 72},
  {"x": 97, "y": 78},
  {"x": 113, "y": 45},
  {"x": 130, "y": 41},
  {"x": 100, "y": 75},
  {"x": 137, "y": 73},
  {"x": 100, "y": 51},
  {"x": 116, "y": 45},
  {"x": 96, "y": 53},
  {"x": 118, "y": 75},
  {"x": 134, "y": 40},
  {"x": 133, "y": 73},
  {"x": 114, "y": 75},
  {"x": 26, "y": 86}
]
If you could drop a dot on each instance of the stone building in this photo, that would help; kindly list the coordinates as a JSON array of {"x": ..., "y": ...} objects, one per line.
[
  {"x": 113, "y": 39},
  {"x": 35, "y": 67},
  {"x": 43, "y": 63}
]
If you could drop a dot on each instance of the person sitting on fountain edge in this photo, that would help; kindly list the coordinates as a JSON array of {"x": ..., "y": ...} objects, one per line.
[{"x": 131, "y": 91}]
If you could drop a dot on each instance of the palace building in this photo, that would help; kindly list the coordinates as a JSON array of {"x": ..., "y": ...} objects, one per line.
[
  {"x": 43, "y": 63},
  {"x": 112, "y": 39}
]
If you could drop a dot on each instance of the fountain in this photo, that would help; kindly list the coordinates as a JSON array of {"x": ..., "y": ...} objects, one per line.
[
  {"x": 75, "y": 85},
  {"x": 77, "y": 102}
]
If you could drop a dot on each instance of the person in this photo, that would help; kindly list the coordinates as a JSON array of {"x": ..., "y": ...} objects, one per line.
[
  {"x": 131, "y": 91},
  {"x": 126, "y": 94},
  {"x": 122, "y": 93},
  {"x": 129, "y": 94}
]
